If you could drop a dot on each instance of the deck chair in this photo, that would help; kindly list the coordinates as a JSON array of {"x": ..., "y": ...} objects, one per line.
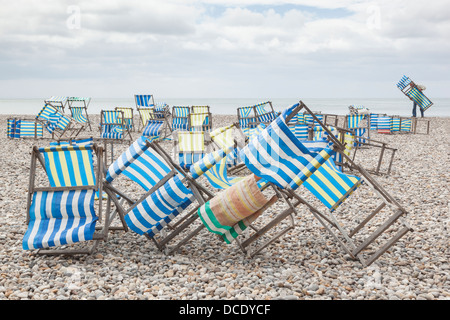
[
  {"x": 200, "y": 119},
  {"x": 167, "y": 191},
  {"x": 190, "y": 147},
  {"x": 23, "y": 128},
  {"x": 376, "y": 227},
  {"x": 264, "y": 112},
  {"x": 359, "y": 124},
  {"x": 64, "y": 214},
  {"x": 246, "y": 118},
  {"x": 406, "y": 125},
  {"x": 78, "y": 109},
  {"x": 299, "y": 128},
  {"x": 58, "y": 124},
  {"x": 411, "y": 90},
  {"x": 180, "y": 118},
  {"x": 128, "y": 117},
  {"x": 145, "y": 104},
  {"x": 58, "y": 102}
]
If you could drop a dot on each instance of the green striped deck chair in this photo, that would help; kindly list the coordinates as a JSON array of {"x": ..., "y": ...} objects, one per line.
[
  {"x": 62, "y": 218},
  {"x": 78, "y": 109}
]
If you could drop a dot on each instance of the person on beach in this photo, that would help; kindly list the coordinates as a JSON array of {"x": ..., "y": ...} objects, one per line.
[{"x": 414, "y": 112}]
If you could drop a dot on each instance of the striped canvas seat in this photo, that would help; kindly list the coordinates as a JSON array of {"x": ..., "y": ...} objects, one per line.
[
  {"x": 58, "y": 102},
  {"x": 330, "y": 185},
  {"x": 53, "y": 120},
  {"x": 277, "y": 156},
  {"x": 153, "y": 128},
  {"x": 191, "y": 147},
  {"x": 180, "y": 118},
  {"x": 246, "y": 118},
  {"x": 384, "y": 124},
  {"x": 406, "y": 125},
  {"x": 395, "y": 124},
  {"x": 77, "y": 114},
  {"x": 199, "y": 121},
  {"x": 144, "y": 100},
  {"x": 112, "y": 125},
  {"x": 373, "y": 121},
  {"x": 20, "y": 128},
  {"x": 264, "y": 112},
  {"x": 63, "y": 213},
  {"x": 127, "y": 116}
]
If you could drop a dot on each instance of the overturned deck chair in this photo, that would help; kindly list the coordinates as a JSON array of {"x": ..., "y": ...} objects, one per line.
[
  {"x": 64, "y": 214},
  {"x": 189, "y": 147},
  {"x": 375, "y": 232},
  {"x": 78, "y": 109},
  {"x": 58, "y": 124},
  {"x": 24, "y": 128},
  {"x": 128, "y": 117},
  {"x": 59, "y": 102},
  {"x": 166, "y": 191},
  {"x": 411, "y": 90},
  {"x": 180, "y": 118},
  {"x": 200, "y": 119}
]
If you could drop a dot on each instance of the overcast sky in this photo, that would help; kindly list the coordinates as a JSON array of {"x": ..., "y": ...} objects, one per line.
[{"x": 223, "y": 48}]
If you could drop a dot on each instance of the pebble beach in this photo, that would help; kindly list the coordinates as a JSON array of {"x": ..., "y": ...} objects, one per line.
[{"x": 304, "y": 264}]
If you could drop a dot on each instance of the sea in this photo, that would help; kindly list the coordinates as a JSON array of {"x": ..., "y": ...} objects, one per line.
[{"x": 228, "y": 106}]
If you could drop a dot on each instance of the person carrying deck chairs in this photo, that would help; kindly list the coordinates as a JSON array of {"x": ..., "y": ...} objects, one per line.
[{"x": 414, "y": 112}]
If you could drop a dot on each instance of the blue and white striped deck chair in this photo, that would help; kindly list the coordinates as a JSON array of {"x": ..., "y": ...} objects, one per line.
[
  {"x": 180, "y": 118},
  {"x": 354, "y": 123},
  {"x": 13, "y": 128},
  {"x": 201, "y": 119},
  {"x": 153, "y": 129},
  {"x": 299, "y": 128},
  {"x": 410, "y": 89},
  {"x": 264, "y": 112},
  {"x": 78, "y": 110},
  {"x": 64, "y": 213},
  {"x": 246, "y": 118},
  {"x": 145, "y": 105},
  {"x": 167, "y": 191},
  {"x": 56, "y": 123},
  {"x": 374, "y": 121},
  {"x": 59, "y": 102}
]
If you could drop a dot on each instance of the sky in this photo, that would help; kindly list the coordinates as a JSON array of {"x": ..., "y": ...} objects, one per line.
[{"x": 223, "y": 48}]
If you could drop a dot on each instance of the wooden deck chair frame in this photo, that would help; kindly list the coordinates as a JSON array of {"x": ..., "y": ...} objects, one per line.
[
  {"x": 357, "y": 249},
  {"x": 261, "y": 117},
  {"x": 73, "y": 128},
  {"x": 101, "y": 233},
  {"x": 85, "y": 104},
  {"x": 177, "y": 124},
  {"x": 416, "y": 122}
]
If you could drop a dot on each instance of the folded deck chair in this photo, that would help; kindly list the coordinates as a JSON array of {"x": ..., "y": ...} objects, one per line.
[
  {"x": 167, "y": 191},
  {"x": 128, "y": 117},
  {"x": 200, "y": 119},
  {"x": 78, "y": 109},
  {"x": 58, "y": 102},
  {"x": 180, "y": 118},
  {"x": 64, "y": 213},
  {"x": 411, "y": 90},
  {"x": 377, "y": 225},
  {"x": 23, "y": 128},
  {"x": 190, "y": 147},
  {"x": 58, "y": 124},
  {"x": 264, "y": 112}
]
